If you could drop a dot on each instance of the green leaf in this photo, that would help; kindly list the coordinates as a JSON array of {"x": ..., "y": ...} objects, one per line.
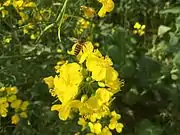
[
  {"x": 174, "y": 10},
  {"x": 177, "y": 59},
  {"x": 173, "y": 39},
  {"x": 145, "y": 127},
  {"x": 114, "y": 53},
  {"x": 162, "y": 30}
]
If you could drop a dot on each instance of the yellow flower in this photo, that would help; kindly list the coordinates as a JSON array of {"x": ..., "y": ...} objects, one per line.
[
  {"x": 30, "y": 4},
  {"x": 2, "y": 89},
  {"x": 15, "y": 119},
  {"x": 113, "y": 123},
  {"x": 139, "y": 29},
  {"x": 66, "y": 86},
  {"x": 101, "y": 84},
  {"x": 3, "y": 100},
  {"x": 65, "y": 109},
  {"x": 23, "y": 16},
  {"x": 95, "y": 128},
  {"x": 23, "y": 115},
  {"x": 82, "y": 122},
  {"x": 11, "y": 90},
  {"x": 137, "y": 25},
  {"x": 107, "y": 6},
  {"x": 24, "y": 105},
  {"x": 115, "y": 115},
  {"x": 93, "y": 103},
  {"x": 98, "y": 66},
  {"x": 4, "y": 13},
  {"x": 33, "y": 36},
  {"x": 18, "y": 4},
  {"x": 12, "y": 98},
  {"x": 81, "y": 25},
  {"x": 119, "y": 127},
  {"x": 7, "y": 3},
  {"x": 3, "y": 106},
  {"x": 105, "y": 131},
  {"x": 49, "y": 81},
  {"x": 16, "y": 104},
  {"x": 88, "y": 11},
  {"x": 103, "y": 94}
]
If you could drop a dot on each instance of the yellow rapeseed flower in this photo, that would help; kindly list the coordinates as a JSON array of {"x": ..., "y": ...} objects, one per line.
[
  {"x": 65, "y": 109},
  {"x": 49, "y": 81},
  {"x": 88, "y": 11},
  {"x": 66, "y": 85},
  {"x": 139, "y": 29},
  {"x": 3, "y": 106},
  {"x": 119, "y": 127},
  {"x": 95, "y": 127},
  {"x": 16, "y": 104},
  {"x": 12, "y": 98},
  {"x": 24, "y": 105},
  {"x": 23, "y": 115},
  {"x": 105, "y": 131},
  {"x": 15, "y": 119},
  {"x": 103, "y": 95},
  {"x": 83, "y": 123},
  {"x": 107, "y": 6},
  {"x": 11, "y": 90}
]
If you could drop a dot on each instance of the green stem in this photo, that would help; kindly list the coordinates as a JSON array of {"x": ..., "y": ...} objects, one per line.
[{"x": 60, "y": 19}]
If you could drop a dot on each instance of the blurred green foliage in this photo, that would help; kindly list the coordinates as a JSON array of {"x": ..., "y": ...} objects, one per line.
[{"x": 149, "y": 64}]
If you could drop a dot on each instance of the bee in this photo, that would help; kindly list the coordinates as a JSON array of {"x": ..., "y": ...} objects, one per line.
[
  {"x": 79, "y": 44},
  {"x": 78, "y": 47}
]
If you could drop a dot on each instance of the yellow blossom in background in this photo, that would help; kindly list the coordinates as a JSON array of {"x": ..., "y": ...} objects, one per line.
[
  {"x": 107, "y": 6},
  {"x": 16, "y": 104},
  {"x": 3, "y": 106},
  {"x": 139, "y": 29},
  {"x": 11, "y": 90},
  {"x": 95, "y": 127},
  {"x": 88, "y": 11},
  {"x": 119, "y": 127},
  {"x": 15, "y": 119},
  {"x": 4, "y": 13},
  {"x": 23, "y": 115},
  {"x": 2, "y": 89},
  {"x": 81, "y": 25},
  {"x": 24, "y": 105},
  {"x": 12, "y": 98},
  {"x": 105, "y": 131},
  {"x": 82, "y": 122}
]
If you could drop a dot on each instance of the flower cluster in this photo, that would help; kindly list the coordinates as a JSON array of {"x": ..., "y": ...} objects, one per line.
[
  {"x": 8, "y": 99},
  {"x": 19, "y": 6},
  {"x": 86, "y": 88},
  {"x": 81, "y": 26},
  {"x": 30, "y": 16},
  {"x": 139, "y": 29}
]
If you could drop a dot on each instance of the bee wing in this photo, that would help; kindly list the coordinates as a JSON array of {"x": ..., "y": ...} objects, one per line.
[{"x": 75, "y": 40}]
